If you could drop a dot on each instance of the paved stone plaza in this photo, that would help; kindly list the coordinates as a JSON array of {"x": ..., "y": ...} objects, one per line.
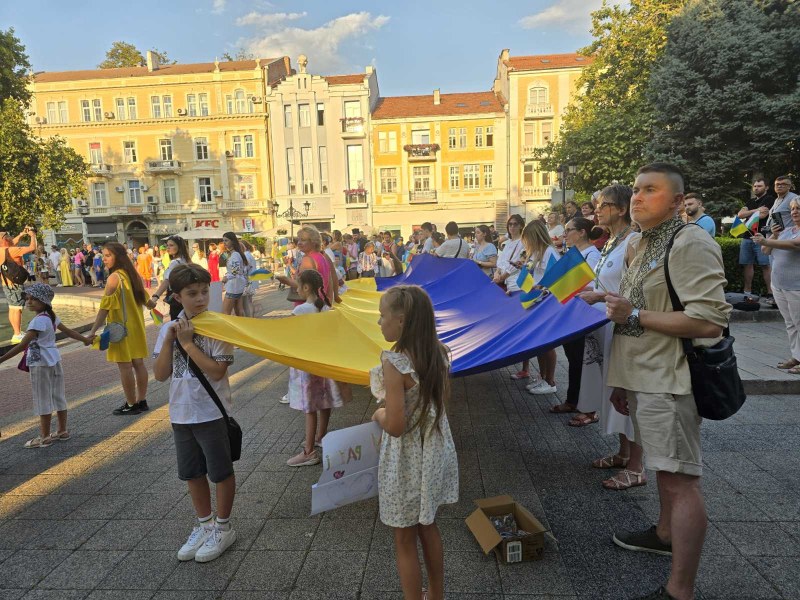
[{"x": 102, "y": 515}]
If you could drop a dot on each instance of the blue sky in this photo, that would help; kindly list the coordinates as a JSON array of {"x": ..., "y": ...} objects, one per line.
[{"x": 416, "y": 45}]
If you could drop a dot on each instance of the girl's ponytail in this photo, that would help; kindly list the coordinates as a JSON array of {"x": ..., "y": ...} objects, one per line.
[
  {"x": 51, "y": 314},
  {"x": 322, "y": 299},
  {"x": 312, "y": 278}
]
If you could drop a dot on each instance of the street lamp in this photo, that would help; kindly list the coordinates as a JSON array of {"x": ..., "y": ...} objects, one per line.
[
  {"x": 566, "y": 171},
  {"x": 291, "y": 213}
]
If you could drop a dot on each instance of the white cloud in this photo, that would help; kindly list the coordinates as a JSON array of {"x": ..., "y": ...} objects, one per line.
[
  {"x": 267, "y": 19},
  {"x": 322, "y": 44},
  {"x": 218, "y": 6},
  {"x": 572, "y": 15}
]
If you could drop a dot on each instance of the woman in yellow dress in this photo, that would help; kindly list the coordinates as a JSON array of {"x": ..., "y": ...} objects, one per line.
[
  {"x": 144, "y": 266},
  {"x": 129, "y": 353},
  {"x": 65, "y": 268}
]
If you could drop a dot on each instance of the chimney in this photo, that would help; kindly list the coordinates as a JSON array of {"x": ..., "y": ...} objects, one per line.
[
  {"x": 369, "y": 70},
  {"x": 504, "y": 55},
  {"x": 437, "y": 99},
  {"x": 152, "y": 61}
]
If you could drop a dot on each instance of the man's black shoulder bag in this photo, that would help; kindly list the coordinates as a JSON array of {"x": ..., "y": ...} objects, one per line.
[
  {"x": 234, "y": 431},
  {"x": 716, "y": 385}
]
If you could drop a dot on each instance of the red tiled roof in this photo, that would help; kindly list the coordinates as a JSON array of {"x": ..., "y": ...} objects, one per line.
[
  {"x": 188, "y": 69},
  {"x": 540, "y": 62},
  {"x": 450, "y": 105},
  {"x": 343, "y": 79}
]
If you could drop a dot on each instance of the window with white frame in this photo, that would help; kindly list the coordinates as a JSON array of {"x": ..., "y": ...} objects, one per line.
[
  {"x": 545, "y": 179},
  {"x": 245, "y": 187},
  {"x": 167, "y": 104},
  {"x": 95, "y": 153},
  {"x": 121, "y": 112},
  {"x": 134, "y": 191},
  {"x": 51, "y": 112},
  {"x": 479, "y": 137},
  {"x": 421, "y": 136},
  {"x": 169, "y": 189},
  {"x": 203, "y": 101},
  {"x": 547, "y": 132},
  {"x": 204, "y": 191},
  {"x": 490, "y": 136},
  {"x": 488, "y": 177},
  {"x": 249, "y": 146},
  {"x": 132, "y": 108},
  {"x": 155, "y": 107},
  {"x": 392, "y": 141},
  {"x": 229, "y": 104},
  {"x": 352, "y": 109},
  {"x": 241, "y": 101},
  {"x": 63, "y": 115},
  {"x": 527, "y": 175},
  {"x": 99, "y": 194},
  {"x": 287, "y": 115},
  {"x": 86, "y": 111},
  {"x": 421, "y": 177},
  {"x": 307, "y": 170},
  {"x": 472, "y": 177},
  {"x": 320, "y": 114},
  {"x": 129, "y": 152},
  {"x": 191, "y": 105},
  {"x": 529, "y": 134},
  {"x": 355, "y": 167},
  {"x": 323, "y": 169},
  {"x": 537, "y": 95},
  {"x": 304, "y": 115},
  {"x": 97, "y": 107},
  {"x": 290, "y": 172},
  {"x": 451, "y": 138},
  {"x": 237, "y": 146},
  {"x": 462, "y": 137},
  {"x": 387, "y": 141},
  {"x": 389, "y": 180},
  {"x": 165, "y": 147},
  {"x": 201, "y": 148},
  {"x": 455, "y": 176}
]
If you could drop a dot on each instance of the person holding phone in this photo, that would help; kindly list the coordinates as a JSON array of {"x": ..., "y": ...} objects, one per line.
[{"x": 784, "y": 195}]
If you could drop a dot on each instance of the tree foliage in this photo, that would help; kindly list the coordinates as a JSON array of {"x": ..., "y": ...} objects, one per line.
[
  {"x": 14, "y": 67},
  {"x": 726, "y": 96},
  {"x": 123, "y": 54},
  {"x": 241, "y": 54},
  {"x": 605, "y": 131}
]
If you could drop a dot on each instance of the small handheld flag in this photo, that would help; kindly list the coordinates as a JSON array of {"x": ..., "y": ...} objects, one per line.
[
  {"x": 260, "y": 275},
  {"x": 739, "y": 228},
  {"x": 752, "y": 222},
  {"x": 101, "y": 342},
  {"x": 568, "y": 276},
  {"x": 157, "y": 317}
]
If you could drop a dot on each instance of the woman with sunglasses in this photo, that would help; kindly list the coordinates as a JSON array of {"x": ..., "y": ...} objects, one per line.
[{"x": 178, "y": 252}]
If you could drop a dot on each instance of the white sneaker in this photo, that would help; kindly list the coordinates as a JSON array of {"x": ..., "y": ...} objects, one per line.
[
  {"x": 542, "y": 388},
  {"x": 16, "y": 339},
  {"x": 215, "y": 544},
  {"x": 284, "y": 400},
  {"x": 533, "y": 384},
  {"x": 197, "y": 538}
]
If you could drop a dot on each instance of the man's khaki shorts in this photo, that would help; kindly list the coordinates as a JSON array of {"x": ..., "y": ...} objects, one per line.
[{"x": 668, "y": 428}]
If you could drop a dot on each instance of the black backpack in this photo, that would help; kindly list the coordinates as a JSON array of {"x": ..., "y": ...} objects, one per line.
[{"x": 12, "y": 272}]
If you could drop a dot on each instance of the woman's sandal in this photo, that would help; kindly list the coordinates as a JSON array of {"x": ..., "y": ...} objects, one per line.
[
  {"x": 794, "y": 371},
  {"x": 614, "y": 461},
  {"x": 625, "y": 479},
  {"x": 38, "y": 442},
  {"x": 788, "y": 364},
  {"x": 583, "y": 419},
  {"x": 61, "y": 436},
  {"x": 563, "y": 408}
]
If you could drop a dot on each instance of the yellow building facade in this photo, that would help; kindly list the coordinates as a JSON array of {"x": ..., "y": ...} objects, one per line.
[
  {"x": 438, "y": 158},
  {"x": 171, "y": 148}
]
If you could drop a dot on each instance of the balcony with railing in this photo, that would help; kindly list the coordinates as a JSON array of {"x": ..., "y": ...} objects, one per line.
[
  {"x": 100, "y": 170},
  {"x": 162, "y": 166},
  {"x": 422, "y": 197},
  {"x": 537, "y": 192},
  {"x": 534, "y": 111},
  {"x": 352, "y": 127},
  {"x": 355, "y": 196},
  {"x": 244, "y": 204},
  {"x": 421, "y": 152}
]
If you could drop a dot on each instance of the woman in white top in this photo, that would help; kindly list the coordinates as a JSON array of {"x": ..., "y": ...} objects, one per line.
[
  {"x": 235, "y": 279},
  {"x": 511, "y": 257},
  {"x": 613, "y": 212},
  {"x": 485, "y": 254},
  {"x": 178, "y": 251},
  {"x": 555, "y": 229},
  {"x": 252, "y": 286}
]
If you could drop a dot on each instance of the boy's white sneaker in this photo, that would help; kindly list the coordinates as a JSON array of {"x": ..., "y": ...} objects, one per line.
[
  {"x": 197, "y": 538},
  {"x": 215, "y": 544},
  {"x": 542, "y": 387}
]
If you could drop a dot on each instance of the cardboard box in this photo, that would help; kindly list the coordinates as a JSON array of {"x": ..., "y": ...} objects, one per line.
[{"x": 511, "y": 550}]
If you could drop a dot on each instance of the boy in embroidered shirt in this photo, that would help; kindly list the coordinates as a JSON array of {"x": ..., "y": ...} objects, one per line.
[{"x": 201, "y": 435}]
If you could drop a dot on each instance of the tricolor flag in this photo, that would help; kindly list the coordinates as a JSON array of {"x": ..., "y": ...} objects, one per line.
[
  {"x": 752, "y": 222},
  {"x": 739, "y": 227},
  {"x": 157, "y": 317},
  {"x": 568, "y": 276},
  {"x": 260, "y": 275}
]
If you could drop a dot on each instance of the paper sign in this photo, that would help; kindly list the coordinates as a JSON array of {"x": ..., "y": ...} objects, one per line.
[{"x": 349, "y": 467}]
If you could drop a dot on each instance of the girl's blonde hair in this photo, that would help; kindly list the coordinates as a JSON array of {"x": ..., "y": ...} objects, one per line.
[
  {"x": 536, "y": 240},
  {"x": 313, "y": 235},
  {"x": 418, "y": 340}
]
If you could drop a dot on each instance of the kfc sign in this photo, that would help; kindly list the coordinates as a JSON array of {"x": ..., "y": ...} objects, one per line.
[{"x": 206, "y": 224}]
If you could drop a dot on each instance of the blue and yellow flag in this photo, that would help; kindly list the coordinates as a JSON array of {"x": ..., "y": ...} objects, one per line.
[
  {"x": 260, "y": 275},
  {"x": 738, "y": 228},
  {"x": 568, "y": 276},
  {"x": 283, "y": 245}
]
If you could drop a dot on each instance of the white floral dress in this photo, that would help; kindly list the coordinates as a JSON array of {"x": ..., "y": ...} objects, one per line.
[{"x": 418, "y": 471}]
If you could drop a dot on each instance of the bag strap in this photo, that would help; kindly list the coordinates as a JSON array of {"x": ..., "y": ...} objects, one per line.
[
  {"x": 460, "y": 243},
  {"x": 688, "y": 348},
  {"x": 122, "y": 298},
  {"x": 201, "y": 377}
]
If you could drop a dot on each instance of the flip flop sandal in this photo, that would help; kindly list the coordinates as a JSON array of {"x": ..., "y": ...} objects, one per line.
[
  {"x": 583, "y": 420},
  {"x": 61, "y": 437},
  {"x": 38, "y": 442},
  {"x": 788, "y": 364},
  {"x": 563, "y": 408},
  {"x": 625, "y": 479},
  {"x": 794, "y": 371},
  {"x": 615, "y": 461}
]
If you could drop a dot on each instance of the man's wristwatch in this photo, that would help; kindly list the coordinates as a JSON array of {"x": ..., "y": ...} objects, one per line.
[
  {"x": 155, "y": 296},
  {"x": 633, "y": 318}
]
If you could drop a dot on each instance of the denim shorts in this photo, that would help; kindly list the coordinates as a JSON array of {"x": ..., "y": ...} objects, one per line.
[
  {"x": 233, "y": 296},
  {"x": 750, "y": 254},
  {"x": 203, "y": 449},
  {"x": 14, "y": 295}
]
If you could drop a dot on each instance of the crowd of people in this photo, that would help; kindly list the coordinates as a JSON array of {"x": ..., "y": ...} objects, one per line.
[{"x": 630, "y": 376}]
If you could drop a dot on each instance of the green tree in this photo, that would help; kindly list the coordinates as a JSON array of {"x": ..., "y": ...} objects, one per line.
[
  {"x": 123, "y": 54},
  {"x": 241, "y": 54},
  {"x": 727, "y": 97},
  {"x": 14, "y": 67},
  {"x": 606, "y": 129}
]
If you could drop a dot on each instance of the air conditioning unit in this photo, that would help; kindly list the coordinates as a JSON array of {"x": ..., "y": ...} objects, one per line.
[
  {"x": 217, "y": 193},
  {"x": 108, "y": 115},
  {"x": 120, "y": 189},
  {"x": 256, "y": 99},
  {"x": 228, "y": 154},
  {"x": 145, "y": 188},
  {"x": 151, "y": 208},
  {"x": 182, "y": 112},
  {"x": 82, "y": 203}
]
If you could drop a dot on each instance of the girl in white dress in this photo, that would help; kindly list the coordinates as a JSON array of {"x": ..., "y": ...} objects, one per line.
[
  {"x": 418, "y": 468},
  {"x": 613, "y": 212}
]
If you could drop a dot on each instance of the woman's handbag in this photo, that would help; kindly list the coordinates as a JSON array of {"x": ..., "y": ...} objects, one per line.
[
  {"x": 716, "y": 385},
  {"x": 234, "y": 431},
  {"x": 118, "y": 331}
]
